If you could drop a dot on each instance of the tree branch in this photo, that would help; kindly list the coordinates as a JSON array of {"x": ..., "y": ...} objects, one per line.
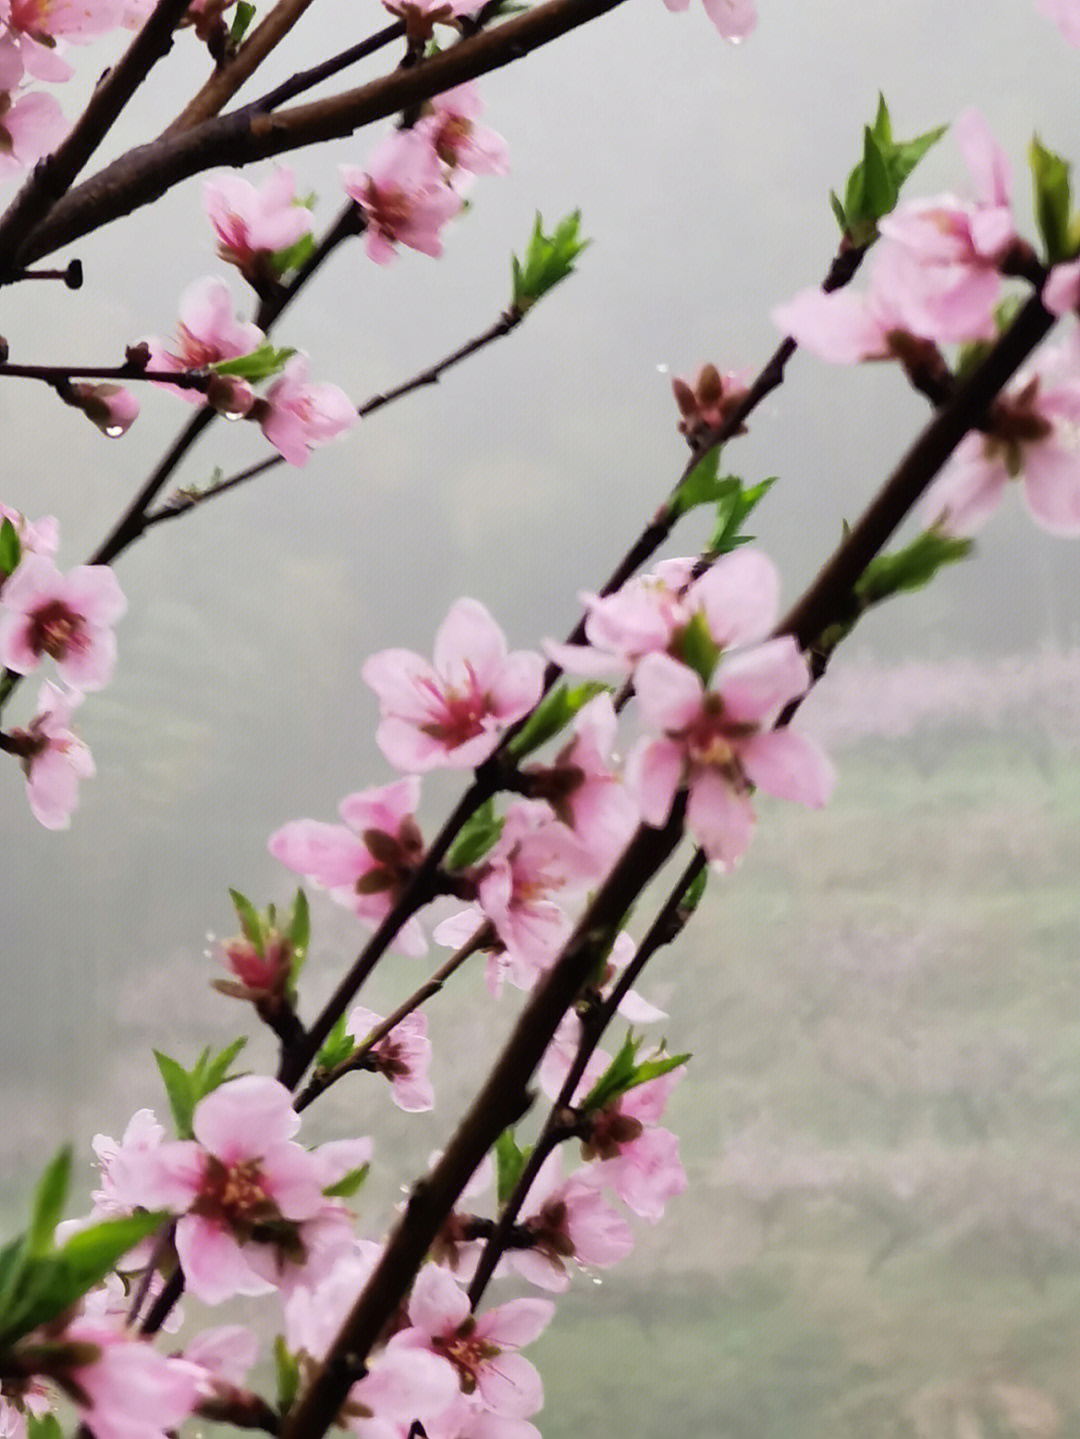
[{"x": 243, "y": 136}]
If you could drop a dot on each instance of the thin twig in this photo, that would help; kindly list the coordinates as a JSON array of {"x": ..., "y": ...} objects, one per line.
[
  {"x": 308, "y": 79},
  {"x": 184, "y": 500},
  {"x": 320, "y": 1082}
]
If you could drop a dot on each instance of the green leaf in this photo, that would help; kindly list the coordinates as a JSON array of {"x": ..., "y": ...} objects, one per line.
[
  {"x": 909, "y": 568},
  {"x": 249, "y": 919},
  {"x": 697, "y": 648},
  {"x": 245, "y": 13},
  {"x": 549, "y": 259},
  {"x": 44, "y": 1426},
  {"x": 873, "y": 186},
  {"x": 624, "y": 1074},
  {"x": 509, "y": 1162},
  {"x": 10, "y": 548},
  {"x": 209, "y": 1074},
  {"x": 552, "y": 714},
  {"x": 294, "y": 255},
  {"x": 479, "y": 832},
  {"x": 51, "y": 1282},
  {"x": 186, "y": 1087},
  {"x": 348, "y": 1184},
  {"x": 180, "y": 1090},
  {"x": 339, "y": 1045},
  {"x": 1053, "y": 201},
  {"x": 49, "y": 1201},
  {"x": 731, "y": 512},
  {"x": 694, "y": 895},
  {"x": 267, "y": 360},
  {"x": 702, "y": 486},
  {"x": 288, "y": 1374},
  {"x": 299, "y": 934}
]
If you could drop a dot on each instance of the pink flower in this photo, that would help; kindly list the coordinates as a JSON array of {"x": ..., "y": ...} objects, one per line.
[
  {"x": 404, "y": 195},
  {"x": 30, "y": 128},
  {"x": 130, "y": 1391},
  {"x": 37, "y": 24},
  {"x": 734, "y": 19},
  {"x": 718, "y": 743},
  {"x": 482, "y": 1348},
  {"x": 403, "y": 1056},
  {"x": 451, "y": 130},
  {"x": 54, "y": 759},
  {"x": 1065, "y": 15},
  {"x": 253, "y": 1216},
  {"x": 67, "y": 617},
  {"x": 586, "y": 794},
  {"x": 252, "y": 224},
  {"x": 567, "y": 1219},
  {"x": 639, "y": 1161},
  {"x": 450, "y": 714},
  {"x": 738, "y": 597},
  {"x": 294, "y": 415},
  {"x": 534, "y": 859},
  {"x": 1035, "y": 438},
  {"x": 206, "y": 332},
  {"x": 403, "y": 1382},
  {"x": 366, "y": 862}
]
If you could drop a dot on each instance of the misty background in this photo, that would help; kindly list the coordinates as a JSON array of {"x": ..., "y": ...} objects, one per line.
[{"x": 881, "y": 1234}]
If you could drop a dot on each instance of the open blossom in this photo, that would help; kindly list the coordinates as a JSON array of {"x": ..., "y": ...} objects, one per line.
[
  {"x": 734, "y": 19},
  {"x": 54, "y": 759},
  {"x": 450, "y": 714},
  {"x": 403, "y": 1056},
  {"x": 583, "y": 789},
  {"x": 738, "y": 597},
  {"x": 637, "y": 1159},
  {"x": 404, "y": 194},
  {"x": 1065, "y": 15},
  {"x": 295, "y": 415},
  {"x": 567, "y": 1220},
  {"x": 207, "y": 331},
  {"x": 31, "y": 126},
  {"x": 67, "y": 617},
  {"x": 130, "y": 1391},
  {"x": 1035, "y": 438},
  {"x": 254, "y": 222},
  {"x": 460, "y": 143},
  {"x": 481, "y": 1347},
  {"x": 718, "y": 743},
  {"x": 35, "y": 26},
  {"x": 253, "y": 1216},
  {"x": 535, "y": 859},
  {"x": 365, "y": 862},
  {"x": 36, "y": 537}
]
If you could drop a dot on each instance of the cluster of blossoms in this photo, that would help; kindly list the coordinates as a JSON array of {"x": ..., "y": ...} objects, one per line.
[
  {"x": 937, "y": 279},
  {"x": 68, "y": 618}
]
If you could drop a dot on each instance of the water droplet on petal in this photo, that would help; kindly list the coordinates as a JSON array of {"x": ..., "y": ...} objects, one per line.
[{"x": 114, "y": 431}]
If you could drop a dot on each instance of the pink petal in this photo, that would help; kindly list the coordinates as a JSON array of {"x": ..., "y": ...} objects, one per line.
[
  {"x": 654, "y": 772},
  {"x": 517, "y": 1323},
  {"x": 669, "y": 693},
  {"x": 740, "y": 596},
  {"x": 757, "y": 681},
  {"x": 787, "y": 765},
  {"x": 214, "y": 1266},
  {"x": 721, "y": 820},
  {"x": 244, "y": 1117},
  {"x": 510, "y": 1386},
  {"x": 438, "y": 1304}
]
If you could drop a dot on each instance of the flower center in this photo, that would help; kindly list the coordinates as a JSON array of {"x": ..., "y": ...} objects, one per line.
[{"x": 53, "y": 628}]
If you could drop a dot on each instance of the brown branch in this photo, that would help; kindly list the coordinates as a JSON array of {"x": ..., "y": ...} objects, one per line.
[
  {"x": 52, "y": 177},
  {"x": 147, "y": 172},
  {"x": 308, "y": 79},
  {"x": 228, "y": 78},
  {"x": 500, "y": 1103}
]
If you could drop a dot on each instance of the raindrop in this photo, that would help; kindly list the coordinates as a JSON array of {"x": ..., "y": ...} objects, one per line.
[
  {"x": 662, "y": 369},
  {"x": 114, "y": 431}
]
